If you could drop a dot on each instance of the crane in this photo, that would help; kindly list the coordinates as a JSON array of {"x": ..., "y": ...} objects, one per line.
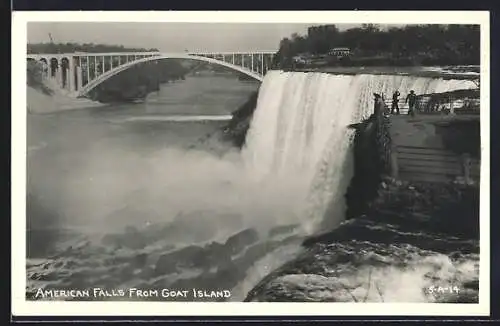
[{"x": 56, "y": 49}]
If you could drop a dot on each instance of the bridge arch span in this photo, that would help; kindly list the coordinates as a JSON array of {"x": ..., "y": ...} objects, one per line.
[{"x": 108, "y": 74}]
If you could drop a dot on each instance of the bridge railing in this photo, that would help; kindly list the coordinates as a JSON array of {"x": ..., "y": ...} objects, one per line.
[
  {"x": 459, "y": 102},
  {"x": 76, "y": 70}
]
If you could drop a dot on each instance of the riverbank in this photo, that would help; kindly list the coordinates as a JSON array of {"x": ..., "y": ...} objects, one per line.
[
  {"x": 40, "y": 102},
  {"x": 45, "y": 95},
  {"x": 430, "y": 72}
]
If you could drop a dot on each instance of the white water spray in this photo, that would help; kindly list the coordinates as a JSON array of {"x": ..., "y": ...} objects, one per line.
[
  {"x": 300, "y": 132},
  {"x": 296, "y": 166},
  {"x": 299, "y": 129}
]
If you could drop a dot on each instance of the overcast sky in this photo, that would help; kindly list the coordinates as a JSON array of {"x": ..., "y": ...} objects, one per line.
[{"x": 171, "y": 37}]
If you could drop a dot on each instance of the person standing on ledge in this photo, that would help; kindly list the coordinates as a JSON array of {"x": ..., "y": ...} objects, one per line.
[
  {"x": 411, "y": 99},
  {"x": 395, "y": 101},
  {"x": 379, "y": 105}
]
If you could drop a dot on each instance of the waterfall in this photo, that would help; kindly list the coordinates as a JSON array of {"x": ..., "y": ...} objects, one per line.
[{"x": 299, "y": 130}]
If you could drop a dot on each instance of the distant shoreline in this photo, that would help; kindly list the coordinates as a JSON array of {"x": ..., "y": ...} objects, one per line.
[{"x": 430, "y": 72}]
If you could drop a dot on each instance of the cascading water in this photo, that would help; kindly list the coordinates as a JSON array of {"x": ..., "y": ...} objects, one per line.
[
  {"x": 299, "y": 131},
  {"x": 296, "y": 169},
  {"x": 299, "y": 128}
]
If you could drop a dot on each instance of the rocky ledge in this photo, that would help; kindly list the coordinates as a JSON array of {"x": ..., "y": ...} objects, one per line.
[
  {"x": 401, "y": 241},
  {"x": 415, "y": 243}
]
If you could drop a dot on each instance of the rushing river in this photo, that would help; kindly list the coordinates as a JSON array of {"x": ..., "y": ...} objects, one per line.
[
  {"x": 142, "y": 196},
  {"x": 139, "y": 195},
  {"x": 77, "y": 156}
]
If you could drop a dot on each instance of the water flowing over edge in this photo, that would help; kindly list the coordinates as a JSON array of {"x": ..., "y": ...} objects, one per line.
[
  {"x": 299, "y": 128},
  {"x": 299, "y": 137}
]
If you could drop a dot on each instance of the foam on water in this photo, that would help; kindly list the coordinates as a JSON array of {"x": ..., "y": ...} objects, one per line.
[
  {"x": 299, "y": 132},
  {"x": 295, "y": 168}
]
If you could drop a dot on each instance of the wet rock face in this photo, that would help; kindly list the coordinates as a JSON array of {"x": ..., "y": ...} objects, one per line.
[
  {"x": 370, "y": 156},
  {"x": 361, "y": 271},
  {"x": 237, "y": 128},
  {"x": 239, "y": 241},
  {"x": 369, "y": 258},
  {"x": 282, "y": 229},
  {"x": 131, "y": 240},
  {"x": 217, "y": 254},
  {"x": 139, "y": 260},
  {"x": 191, "y": 256},
  {"x": 259, "y": 250},
  {"x": 213, "y": 265},
  {"x": 192, "y": 227},
  {"x": 211, "y": 255}
]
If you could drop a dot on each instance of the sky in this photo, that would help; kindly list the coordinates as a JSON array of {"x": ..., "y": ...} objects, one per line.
[{"x": 171, "y": 37}]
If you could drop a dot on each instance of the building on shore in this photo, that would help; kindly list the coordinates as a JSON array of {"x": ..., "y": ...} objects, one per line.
[
  {"x": 319, "y": 30},
  {"x": 340, "y": 52}
]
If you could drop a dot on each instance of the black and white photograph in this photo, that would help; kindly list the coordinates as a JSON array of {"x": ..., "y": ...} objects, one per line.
[{"x": 325, "y": 161}]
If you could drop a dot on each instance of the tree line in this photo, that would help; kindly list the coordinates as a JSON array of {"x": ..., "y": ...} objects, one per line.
[
  {"x": 370, "y": 44},
  {"x": 41, "y": 48}
]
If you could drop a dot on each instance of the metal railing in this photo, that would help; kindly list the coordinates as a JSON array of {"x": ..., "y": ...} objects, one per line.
[{"x": 431, "y": 105}]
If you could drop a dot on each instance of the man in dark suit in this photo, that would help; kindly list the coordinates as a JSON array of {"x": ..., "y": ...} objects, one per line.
[
  {"x": 395, "y": 102},
  {"x": 411, "y": 99}
]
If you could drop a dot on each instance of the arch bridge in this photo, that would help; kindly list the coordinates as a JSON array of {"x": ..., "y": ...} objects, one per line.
[{"x": 79, "y": 73}]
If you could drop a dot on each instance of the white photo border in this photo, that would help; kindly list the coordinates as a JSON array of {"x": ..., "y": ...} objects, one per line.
[{"x": 22, "y": 307}]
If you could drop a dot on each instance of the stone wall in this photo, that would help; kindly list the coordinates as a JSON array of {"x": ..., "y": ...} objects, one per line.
[
  {"x": 373, "y": 190},
  {"x": 372, "y": 160}
]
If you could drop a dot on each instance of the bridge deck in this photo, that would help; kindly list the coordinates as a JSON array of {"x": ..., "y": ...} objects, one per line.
[{"x": 80, "y": 72}]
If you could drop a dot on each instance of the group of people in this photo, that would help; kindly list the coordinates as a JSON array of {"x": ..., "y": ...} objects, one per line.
[
  {"x": 381, "y": 108},
  {"x": 411, "y": 99}
]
